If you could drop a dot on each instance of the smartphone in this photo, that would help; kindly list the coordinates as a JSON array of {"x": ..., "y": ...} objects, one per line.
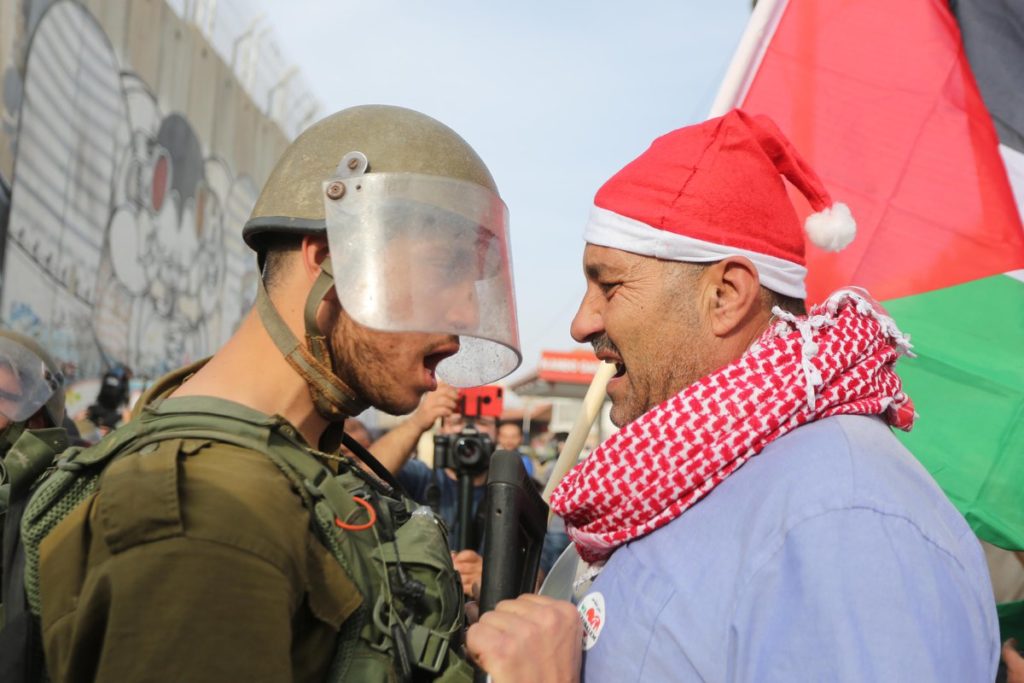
[{"x": 485, "y": 401}]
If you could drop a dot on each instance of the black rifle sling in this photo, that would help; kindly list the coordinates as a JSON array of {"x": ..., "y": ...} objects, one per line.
[{"x": 375, "y": 466}]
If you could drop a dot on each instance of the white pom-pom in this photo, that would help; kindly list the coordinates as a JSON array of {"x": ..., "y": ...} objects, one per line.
[{"x": 832, "y": 228}]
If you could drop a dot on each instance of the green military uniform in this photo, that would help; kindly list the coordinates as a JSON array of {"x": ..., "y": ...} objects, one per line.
[
  {"x": 206, "y": 541},
  {"x": 195, "y": 554},
  {"x": 31, "y": 406},
  {"x": 202, "y": 558}
]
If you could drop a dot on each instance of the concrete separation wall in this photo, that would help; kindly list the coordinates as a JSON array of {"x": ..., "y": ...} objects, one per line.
[{"x": 133, "y": 158}]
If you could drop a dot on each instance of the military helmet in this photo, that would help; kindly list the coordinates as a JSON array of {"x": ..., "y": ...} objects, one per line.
[
  {"x": 393, "y": 140},
  {"x": 39, "y": 381},
  {"x": 418, "y": 242}
]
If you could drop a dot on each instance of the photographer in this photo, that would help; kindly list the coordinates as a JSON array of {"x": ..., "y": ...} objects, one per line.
[
  {"x": 109, "y": 410},
  {"x": 439, "y": 488}
]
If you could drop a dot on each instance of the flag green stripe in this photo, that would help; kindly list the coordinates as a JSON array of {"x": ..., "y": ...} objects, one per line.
[
  {"x": 1011, "y": 620},
  {"x": 967, "y": 384}
]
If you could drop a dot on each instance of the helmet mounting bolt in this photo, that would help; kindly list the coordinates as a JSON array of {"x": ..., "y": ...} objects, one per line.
[{"x": 336, "y": 190}]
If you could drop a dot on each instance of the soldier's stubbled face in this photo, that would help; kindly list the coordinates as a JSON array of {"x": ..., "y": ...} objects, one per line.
[{"x": 391, "y": 370}]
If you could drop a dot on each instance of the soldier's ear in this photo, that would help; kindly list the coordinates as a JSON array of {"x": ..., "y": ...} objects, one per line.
[
  {"x": 735, "y": 289},
  {"x": 313, "y": 252}
]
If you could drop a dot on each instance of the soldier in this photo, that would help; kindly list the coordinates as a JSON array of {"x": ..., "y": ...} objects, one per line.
[
  {"x": 31, "y": 414},
  {"x": 217, "y": 536}
]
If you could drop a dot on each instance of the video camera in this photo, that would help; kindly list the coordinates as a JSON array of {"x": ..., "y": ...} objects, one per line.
[{"x": 469, "y": 451}]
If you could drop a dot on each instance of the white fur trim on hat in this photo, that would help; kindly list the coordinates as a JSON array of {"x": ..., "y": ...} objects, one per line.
[
  {"x": 609, "y": 229},
  {"x": 832, "y": 228}
]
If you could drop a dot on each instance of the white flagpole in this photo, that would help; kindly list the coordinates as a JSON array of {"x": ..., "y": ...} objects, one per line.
[
  {"x": 592, "y": 403},
  {"x": 747, "y": 58}
]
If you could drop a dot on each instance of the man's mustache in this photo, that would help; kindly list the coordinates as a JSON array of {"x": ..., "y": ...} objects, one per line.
[{"x": 604, "y": 343}]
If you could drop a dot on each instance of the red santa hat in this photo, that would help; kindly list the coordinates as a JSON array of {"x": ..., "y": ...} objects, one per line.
[{"x": 713, "y": 190}]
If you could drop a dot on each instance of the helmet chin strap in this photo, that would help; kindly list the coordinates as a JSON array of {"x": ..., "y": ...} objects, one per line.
[{"x": 333, "y": 399}]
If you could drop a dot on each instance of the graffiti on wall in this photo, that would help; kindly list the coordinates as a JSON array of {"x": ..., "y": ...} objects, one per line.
[{"x": 124, "y": 240}]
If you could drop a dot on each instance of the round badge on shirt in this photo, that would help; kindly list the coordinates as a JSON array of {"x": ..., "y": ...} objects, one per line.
[{"x": 592, "y": 612}]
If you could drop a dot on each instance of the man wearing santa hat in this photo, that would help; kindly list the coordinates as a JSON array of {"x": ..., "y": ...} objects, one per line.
[{"x": 831, "y": 555}]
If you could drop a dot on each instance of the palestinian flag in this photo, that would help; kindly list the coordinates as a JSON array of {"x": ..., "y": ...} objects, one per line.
[{"x": 912, "y": 112}]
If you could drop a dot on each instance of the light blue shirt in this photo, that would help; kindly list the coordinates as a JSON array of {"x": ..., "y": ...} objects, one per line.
[{"x": 831, "y": 556}]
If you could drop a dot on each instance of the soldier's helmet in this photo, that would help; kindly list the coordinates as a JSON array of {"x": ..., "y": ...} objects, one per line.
[
  {"x": 393, "y": 140},
  {"x": 416, "y": 230},
  {"x": 29, "y": 380}
]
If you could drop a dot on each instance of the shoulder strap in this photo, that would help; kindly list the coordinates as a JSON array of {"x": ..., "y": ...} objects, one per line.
[
  {"x": 374, "y": 464},
  {"x": 274, "y": 437},
  {"x": 33, "y": 452},
  {"x": 30, "y": 456}
]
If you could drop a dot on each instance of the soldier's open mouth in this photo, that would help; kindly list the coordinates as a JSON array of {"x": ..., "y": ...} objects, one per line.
[{"x": 432, "y": 360}]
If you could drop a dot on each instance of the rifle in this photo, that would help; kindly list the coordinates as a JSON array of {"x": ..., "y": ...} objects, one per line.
[
  {"x": 514, "y": 531},
  {"x": 517, "y": 519}
]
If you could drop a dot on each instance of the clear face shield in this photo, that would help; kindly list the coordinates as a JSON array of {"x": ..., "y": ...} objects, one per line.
[
  {"x": 421, "y": 253},
  {"x": 26, "y": 384}
]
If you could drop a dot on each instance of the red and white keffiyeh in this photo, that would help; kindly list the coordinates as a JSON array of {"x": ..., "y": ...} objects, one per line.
[{"x": 837, "y": 360}]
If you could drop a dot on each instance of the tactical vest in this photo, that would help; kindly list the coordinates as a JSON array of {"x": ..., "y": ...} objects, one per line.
[
  {"x": 32, "y": 452},
  {"x": 395, "y": 551}
]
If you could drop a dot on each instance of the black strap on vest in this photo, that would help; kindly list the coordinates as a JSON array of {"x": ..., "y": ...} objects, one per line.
[{"x": 373, "y": 463}]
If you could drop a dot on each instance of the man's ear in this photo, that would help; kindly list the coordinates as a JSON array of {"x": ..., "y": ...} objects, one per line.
[
  {"x": 735, "y": 290},
  {"x": 313, "y": 251}
]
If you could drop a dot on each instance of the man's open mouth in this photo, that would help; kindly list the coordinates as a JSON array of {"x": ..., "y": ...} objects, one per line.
[
  {"x": 433, "y": 359},
  {"x": 608, "y": 357}
]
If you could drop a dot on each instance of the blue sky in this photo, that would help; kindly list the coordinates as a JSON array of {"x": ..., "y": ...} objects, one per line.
[{"x": 555, "y": 96}]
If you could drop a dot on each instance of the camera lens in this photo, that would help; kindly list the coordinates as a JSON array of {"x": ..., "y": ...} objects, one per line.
[{"x": 468, "y": 451}]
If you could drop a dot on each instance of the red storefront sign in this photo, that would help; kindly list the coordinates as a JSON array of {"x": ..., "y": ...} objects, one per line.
[{"x": 574, "y": 367}]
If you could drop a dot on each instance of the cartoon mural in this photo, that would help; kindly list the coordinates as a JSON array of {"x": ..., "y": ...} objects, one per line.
[{"x": 124, "y": 237}]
